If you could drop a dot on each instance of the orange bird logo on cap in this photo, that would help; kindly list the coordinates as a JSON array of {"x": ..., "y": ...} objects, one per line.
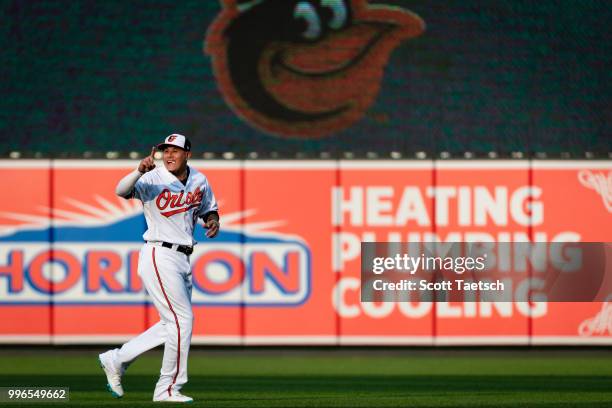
[{"x": 304, "y": 68}]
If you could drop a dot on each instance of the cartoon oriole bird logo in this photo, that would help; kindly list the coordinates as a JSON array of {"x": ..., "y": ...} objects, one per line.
[{"x": 304, "y": 68}]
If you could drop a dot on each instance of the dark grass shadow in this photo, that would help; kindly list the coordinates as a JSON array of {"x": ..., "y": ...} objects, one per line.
[{"x": 358, "y": 384}]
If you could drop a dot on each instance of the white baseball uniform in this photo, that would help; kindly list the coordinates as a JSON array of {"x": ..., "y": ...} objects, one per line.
[{"x": 171, "y": 210}]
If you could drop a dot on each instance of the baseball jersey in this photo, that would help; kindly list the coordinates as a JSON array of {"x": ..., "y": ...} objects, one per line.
[{"x": 172, "y": 208}]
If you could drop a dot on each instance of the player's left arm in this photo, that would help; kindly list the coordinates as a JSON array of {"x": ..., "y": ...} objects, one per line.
[{"x": 210, "y": 213}]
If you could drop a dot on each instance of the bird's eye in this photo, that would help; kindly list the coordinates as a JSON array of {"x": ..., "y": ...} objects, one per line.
[
  {"x": 306, "y": 11},
  {"x": 339, "y": 13}
]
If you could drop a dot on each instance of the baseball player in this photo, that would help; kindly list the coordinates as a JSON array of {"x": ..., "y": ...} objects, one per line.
[{"x": 174, "y": 197}]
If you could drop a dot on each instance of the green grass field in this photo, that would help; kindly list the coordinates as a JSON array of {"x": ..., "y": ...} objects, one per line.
[{"x": 335, "y": 378}]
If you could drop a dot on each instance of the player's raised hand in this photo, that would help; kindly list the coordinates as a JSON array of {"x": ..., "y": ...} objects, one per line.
[
  {"x": 212, "y": 225},
  {"x": 148, "y": 163}
]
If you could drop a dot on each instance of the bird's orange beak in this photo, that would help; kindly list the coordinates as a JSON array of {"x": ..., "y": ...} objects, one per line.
[
  {"x": 342, "y": 70},
  {"x": 339, "y": 74}
]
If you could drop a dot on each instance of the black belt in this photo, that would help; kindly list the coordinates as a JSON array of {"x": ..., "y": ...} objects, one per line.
[{"x": 187, "y": 250}]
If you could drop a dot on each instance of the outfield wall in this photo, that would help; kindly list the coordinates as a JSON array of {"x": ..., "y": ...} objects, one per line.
[{"x": 285, "y": 268}]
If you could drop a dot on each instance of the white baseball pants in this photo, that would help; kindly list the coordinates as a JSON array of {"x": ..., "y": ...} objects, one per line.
[{"x": 166, "y": 275}]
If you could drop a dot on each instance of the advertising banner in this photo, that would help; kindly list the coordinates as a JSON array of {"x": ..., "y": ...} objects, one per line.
[{"x": 285, "y": 268}]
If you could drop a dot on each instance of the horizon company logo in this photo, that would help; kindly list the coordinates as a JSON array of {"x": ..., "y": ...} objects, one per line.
[{"x": 94, "y": 260}]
